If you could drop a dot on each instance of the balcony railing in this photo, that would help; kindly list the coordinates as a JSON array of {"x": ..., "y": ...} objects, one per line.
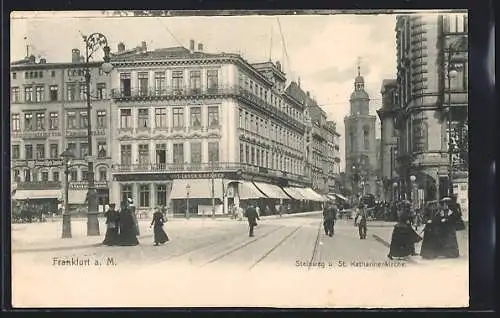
[
  {"x": 38, "y": 185},
  {"x": 205, "y": 167},
  {"x": 174, "y": 93}
]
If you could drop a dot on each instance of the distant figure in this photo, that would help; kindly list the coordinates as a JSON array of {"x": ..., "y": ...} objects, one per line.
[
  {"x": 112, "y": 225},
  {"x": 131, "y": 207},
  {"x": 257, "y": 209},
  {"x": 360, "y": 221},
  {"x": 252, "y": 217},
  {"x": 239, "y": 213},
  {"x": 160, "y": 237},
  {"x": 330, "y": 216},
  {"x": 128, "y": 231}
]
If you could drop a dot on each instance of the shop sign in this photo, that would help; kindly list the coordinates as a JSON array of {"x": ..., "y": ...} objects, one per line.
[{"x": 197, "y": 176}]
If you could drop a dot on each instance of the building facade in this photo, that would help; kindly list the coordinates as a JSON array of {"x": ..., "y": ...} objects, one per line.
[
  {"x": 388, "y": 139},
  {"x": 428, "y": 101},
  {"x": 197, "y": 132},
  {"x": 49, "y": 115},
  {"x": 361, "y": 166}
]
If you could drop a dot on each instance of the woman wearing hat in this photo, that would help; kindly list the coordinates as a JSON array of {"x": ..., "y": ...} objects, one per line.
[
  {"x": 128, "y": 232},
  {"x": 160, "y": 237},
  {"x": 131, "y": 207},
  {"x": 112, "y": 224},
  {"x": 404, "y": 236}
]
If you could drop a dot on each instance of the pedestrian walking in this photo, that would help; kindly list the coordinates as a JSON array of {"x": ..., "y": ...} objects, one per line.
[
  {"x": 403, "y": 237},
  {"x": 112, "y": 226},
  {"x": 330, "y": 217},
  {"x": 360, "y": 221},
  {"x": 252, "y": 218},
  {"x": 128, "y": 231},
  {"x": 160, "y": 237},
  {"x": 131, "y": 208}
]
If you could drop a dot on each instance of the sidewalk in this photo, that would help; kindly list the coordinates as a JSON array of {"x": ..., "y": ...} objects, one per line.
[{"x": 38, "y": 237}]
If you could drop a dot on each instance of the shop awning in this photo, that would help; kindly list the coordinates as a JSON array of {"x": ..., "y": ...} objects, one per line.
[
  {"x": 198, "y": 189},
  {"x": 310, "y": 194},
  {"x": 272, "y": 191},
  {"x": 294, "y": 193},
  {"x": 37, "y": 194},
  {"x": 341, "y": 197},
  {"x": 77, "y": 196},
  {"x": 247, "y": 190}
]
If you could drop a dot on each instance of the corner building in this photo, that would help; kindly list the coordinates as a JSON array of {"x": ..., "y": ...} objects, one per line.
[{"x": 192, "y": 127}]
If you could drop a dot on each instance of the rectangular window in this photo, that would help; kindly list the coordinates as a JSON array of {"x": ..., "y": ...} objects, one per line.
[
  {"x": 28, "y": 152},
  {"x": 40, "y": 151},
  {"x": 161, "y": 117},
  {"x": 159, "y": 83},
  {"x": 28, "y": 94},
  {"x": 53, "y": 73},
  {"x": 83, "y": 92},
  {"x": 144, "y": 154},
  {"x": 195, "y": 117},
  {"x": 16, "y": 122},
  {"x": 196, "y": 152},
  {"x": 40, "y": 94},
  {"x": 125, "y": 118},
  {"x": 247, "y": 154},
  {"x": 143, "y": 78},
  {"x": 71, "y": 87},
  {"x": 84, "y": 150},
  {"x": 213, "y": 116},
  {"x": 55, "y": 175},
  {"x": 101, "y": 119},
  {"x": 177, "y": 81},
  {"x": 161, "y": 195},
  {"x": 126, "y": 154},
  {"x": 144, "y": 195},
  {"x": 178, "y": 152},
  {"x": 143, "y": 118},
  {"x": 16, "y": 153},
  {"x": 72, "y": 148},
  {"x": 28, "y": 121},
  {"x": 126, "y": 190},
  {"x": 213, "y": 152},
  {"x": 125, "y": 88},
  {"x": 101, "y": 90},
  {"x": 85, "y": 175},
  {"x": 195, "y": 81},
  {"x": 101, "y": 149},
  {"x": 54, "y": 151},
  {"x": 15, "y": 95},
  {"x": 212, "y": 80},
  {"x": 84, "y": 119},
  {"x": 53, "y": 120},
  {"x": 178, "y": 117},
  {"x": 14, "y": 75},
  {"x": 54, "y": 92},
  {"x": 240, "y": 118},
  {"x": 45, "y": 176},
  {"x": 71, "y": 120},
  {"x": 242, "y": 153}
]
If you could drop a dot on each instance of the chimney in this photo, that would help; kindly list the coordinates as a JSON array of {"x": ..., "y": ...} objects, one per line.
[
  {"x": 75, "y": 56},
  {"x": 42, "y": 61},
  {"x": 144, "y": 46},
  {"x": 200, "y": 47},
  {"x": 191, "y": 46},
  {"x": 298, "y": 81},
  {"x": 121, "y": 47},
  {"x": 32, "y": 59},
  {"x": 308, "y": 94},
  {"x": 278, "y": 65}
]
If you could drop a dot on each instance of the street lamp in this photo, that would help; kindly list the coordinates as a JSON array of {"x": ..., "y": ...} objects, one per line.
[
  {"x": 67, "y": 155},
  {"x": 413, "y": 196},
  {"x": 395, "y": 189},
  {"x": 188, "y": 187},
  {"x": 451, "y": 73},
  {"x": 92, "y": 43}
]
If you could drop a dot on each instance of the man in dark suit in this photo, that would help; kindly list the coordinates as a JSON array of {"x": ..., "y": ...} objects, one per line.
[{"x": 252, "y": 216}]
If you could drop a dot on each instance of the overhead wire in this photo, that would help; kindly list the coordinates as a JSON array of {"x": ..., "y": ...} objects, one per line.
[{"x": 170, "y": 32}]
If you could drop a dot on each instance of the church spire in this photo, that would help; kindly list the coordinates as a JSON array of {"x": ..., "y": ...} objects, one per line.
[{"x": 359, "y": 66}]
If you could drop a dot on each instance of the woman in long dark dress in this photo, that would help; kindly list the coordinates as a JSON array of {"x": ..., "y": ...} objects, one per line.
[
  {"x": 404, "y": 236},
  {"x": 160, "y": 237},
  {"x": 128, "y": 234},
  {"x": 112, "y": 224}
]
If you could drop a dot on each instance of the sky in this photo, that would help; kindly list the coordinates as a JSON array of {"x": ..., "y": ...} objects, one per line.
[{"x": 323, "y": 50}]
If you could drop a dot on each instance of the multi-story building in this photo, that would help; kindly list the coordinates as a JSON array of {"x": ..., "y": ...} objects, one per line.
[
  {"x": 197, "y": 130},
  {"x": 428, "y": 100},
  {"x": 388, "y": 139},
  {"x": 360, "y": 160},
  {"x": 49, "y": 115},
  {"x": 332, "y": 156}
]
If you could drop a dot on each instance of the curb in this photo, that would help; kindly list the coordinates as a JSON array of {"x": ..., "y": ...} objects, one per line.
[{"x": 62, "y": 248}]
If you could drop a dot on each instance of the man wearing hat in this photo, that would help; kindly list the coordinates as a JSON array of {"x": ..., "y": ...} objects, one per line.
[{"x": 131, "y": 207}]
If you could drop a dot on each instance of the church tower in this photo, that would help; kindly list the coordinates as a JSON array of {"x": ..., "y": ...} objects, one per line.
[{"x": 360, "y": 145}]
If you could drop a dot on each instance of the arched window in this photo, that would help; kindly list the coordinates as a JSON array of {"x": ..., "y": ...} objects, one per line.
[
  {"x": 103, "y": 175},
  {"x": 366, "y": 137}
]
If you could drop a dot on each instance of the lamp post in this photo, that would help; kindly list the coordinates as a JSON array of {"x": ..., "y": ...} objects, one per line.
[
  {"x": 413, "y": 196},
  {"x": 451, "y": 73},
  {"x": 67, "y": 155},
  {"x": 188, "y": 187},
  {"x": 92, "y": 43},
  {"x": 395, "y": 190}
]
